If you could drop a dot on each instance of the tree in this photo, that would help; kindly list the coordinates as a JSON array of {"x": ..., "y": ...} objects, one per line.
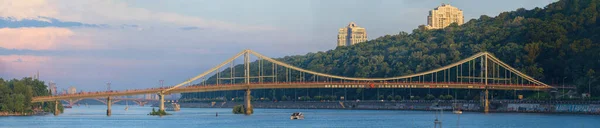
[{"x": 429, "y": 97}]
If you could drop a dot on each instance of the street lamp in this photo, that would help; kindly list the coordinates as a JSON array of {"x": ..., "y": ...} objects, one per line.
[
  {"x": 590, "y": 89},
  {"x": 563, "y": 86}
]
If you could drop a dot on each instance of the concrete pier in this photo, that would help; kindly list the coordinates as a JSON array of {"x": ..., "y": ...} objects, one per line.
[
  {"x": 56, "y": 111},
  {"x": 248, "y": 105},
  {"x": 161, "y": 106},
  {"x": 108, "y": 104},
  {"x": 486, "y": 102}
]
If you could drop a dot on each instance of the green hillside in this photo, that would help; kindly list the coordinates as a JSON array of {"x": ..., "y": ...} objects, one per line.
[{"x": 549, "y": 44}]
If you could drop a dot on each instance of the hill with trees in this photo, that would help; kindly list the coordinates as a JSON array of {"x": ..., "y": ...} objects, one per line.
[{"x": 559, "y": 41}]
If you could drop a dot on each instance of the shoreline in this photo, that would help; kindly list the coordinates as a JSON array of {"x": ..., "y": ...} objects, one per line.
[
  {"x": 6, "y": 114},
  {"x": 543, "y": 108}
]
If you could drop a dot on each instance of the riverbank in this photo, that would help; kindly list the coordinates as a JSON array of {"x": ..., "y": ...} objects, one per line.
[
  {"x": 495, "y": 106},
  {"x": 23, "y": 114}
]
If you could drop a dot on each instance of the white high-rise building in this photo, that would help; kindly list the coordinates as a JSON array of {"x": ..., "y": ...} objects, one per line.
[
  {"x": 444, "y": 15},
  {"x": 351, "y": 35}
]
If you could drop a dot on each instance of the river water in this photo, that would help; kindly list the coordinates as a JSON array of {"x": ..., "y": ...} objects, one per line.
[{"x": 94, "y": 116}]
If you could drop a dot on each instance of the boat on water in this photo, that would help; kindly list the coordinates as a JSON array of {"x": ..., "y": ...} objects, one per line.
[
  {"x": 297, "y": 116},
  {"x": 457, "y": 112},
  {"x": 126, "y": 106},
  {"x": 68, "y": 106},
  {"x": 173, "y": 107}
]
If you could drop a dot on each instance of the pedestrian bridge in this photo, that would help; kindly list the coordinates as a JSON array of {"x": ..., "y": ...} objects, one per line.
[{"x": 480, "y": 71}]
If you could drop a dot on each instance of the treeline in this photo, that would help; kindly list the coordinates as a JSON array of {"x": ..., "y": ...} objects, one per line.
[
  {"x": 556, "y": 44},
  {"x": 16, "y": 95}
]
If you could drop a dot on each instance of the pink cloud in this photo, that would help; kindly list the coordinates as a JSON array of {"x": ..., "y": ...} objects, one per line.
[
  {"x": 49, "y": 38},
  {"x": 58, "y": 67},
  {"x": 21, "y": 9},
  {"x": 21, "y": 65}
]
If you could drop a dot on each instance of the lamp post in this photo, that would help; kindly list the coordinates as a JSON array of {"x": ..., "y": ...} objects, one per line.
[
  {"x": 590, "y": 89},
  {"x": 563, "y": 86}
]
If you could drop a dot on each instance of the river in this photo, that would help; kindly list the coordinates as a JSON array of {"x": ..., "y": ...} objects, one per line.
[{"x": 94, "y": 116}]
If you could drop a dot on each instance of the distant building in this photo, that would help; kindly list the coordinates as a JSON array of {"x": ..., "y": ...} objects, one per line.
[
  {"x": 351, "y": 34},
  {"x": 148, "y": 96},
  {"x": 444, "y": 15},
  {"x": 72, "y": 90},
  {"x": 52, "y": 88}
]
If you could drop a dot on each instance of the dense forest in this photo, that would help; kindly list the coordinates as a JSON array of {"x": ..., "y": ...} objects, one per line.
[
  {"x": 554, "y": 44},
  {"x": 16, "y": 95}
]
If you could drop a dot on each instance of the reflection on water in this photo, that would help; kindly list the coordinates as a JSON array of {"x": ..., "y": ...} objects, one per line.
[{"x": 95, "y": 116}]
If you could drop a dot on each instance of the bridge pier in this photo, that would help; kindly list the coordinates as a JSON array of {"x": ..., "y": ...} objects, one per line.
[
  {"x": 248, "y": 105},
  {"x": 141, "y": 103},
  {"x": 486, "y": 102},
  {"x": 108, "y": 104},
  {"x": 56, "y": 112},
  {"x": 161, "y": 106}
]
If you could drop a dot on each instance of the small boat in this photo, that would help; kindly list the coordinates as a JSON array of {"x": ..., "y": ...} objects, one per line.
[
  {"x": 126, "y": 106},
  {"x": 297, "y": 116},
  {"x": 68, "y": 106},
  {"x": 457, "y": 112}
]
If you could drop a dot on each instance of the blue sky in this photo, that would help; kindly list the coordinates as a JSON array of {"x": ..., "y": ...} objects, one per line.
[{"x": 136, "y": 43}]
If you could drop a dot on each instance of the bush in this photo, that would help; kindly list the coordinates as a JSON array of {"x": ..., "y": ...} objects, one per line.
[
  {"x": 398, "y": 97},
  {"x": 429, "y": 97},
  {"x": 158, "y": 113},
  {"x": 239, "y": 109}
]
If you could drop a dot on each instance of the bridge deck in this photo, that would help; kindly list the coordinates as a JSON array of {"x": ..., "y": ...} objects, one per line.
[{"x": 228, "y": 87}]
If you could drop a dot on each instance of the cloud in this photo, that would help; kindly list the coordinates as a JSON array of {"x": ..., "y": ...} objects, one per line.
[
  {"x": 18, "y": 60},
  {"x": 110, "y": 12},
  {"x": 48, "y": 38},
  {"x": 21, "y": 65},
  {"x": 11, "y": 22},
  {"x": 189, "y": 28},
  {"x": 21, "y": 9}
]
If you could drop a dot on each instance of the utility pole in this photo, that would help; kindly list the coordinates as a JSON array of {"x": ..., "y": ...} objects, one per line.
[
  {"x": 161, "y": 82},
  {"x": 108, "y": 86},
  {"x": 590, "y": 89},
  {"x": 563, "y": 86}
]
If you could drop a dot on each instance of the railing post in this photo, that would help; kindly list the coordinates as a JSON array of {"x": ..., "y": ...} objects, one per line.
[{"x": 108, "y": 104}]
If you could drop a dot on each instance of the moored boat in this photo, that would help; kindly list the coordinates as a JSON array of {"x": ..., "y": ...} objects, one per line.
[{"x": 297, "y": 116}]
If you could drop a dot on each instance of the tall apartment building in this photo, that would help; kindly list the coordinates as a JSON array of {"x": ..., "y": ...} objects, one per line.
[
  {"x": 444, "y": 15},
  {"x": 351, "y": 34}
]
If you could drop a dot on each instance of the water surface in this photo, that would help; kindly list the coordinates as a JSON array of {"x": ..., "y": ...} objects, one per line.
[{"x": 95, "y": 117}]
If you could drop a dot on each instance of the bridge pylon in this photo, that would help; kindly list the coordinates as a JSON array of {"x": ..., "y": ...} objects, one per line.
[{"x": 248, "y": 98}]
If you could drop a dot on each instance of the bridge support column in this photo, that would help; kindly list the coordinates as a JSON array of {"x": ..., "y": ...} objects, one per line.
[
  {"x": 486, "y": 102},
  {"x": 56, "y": 111},
  {"x": 161, "y": 106},
  {"x": 108, "y": 104},
  {"x": 248, "y": 105}
]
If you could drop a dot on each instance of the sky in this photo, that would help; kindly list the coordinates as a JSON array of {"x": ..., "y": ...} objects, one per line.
[{"x": 135, "y": 43}]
